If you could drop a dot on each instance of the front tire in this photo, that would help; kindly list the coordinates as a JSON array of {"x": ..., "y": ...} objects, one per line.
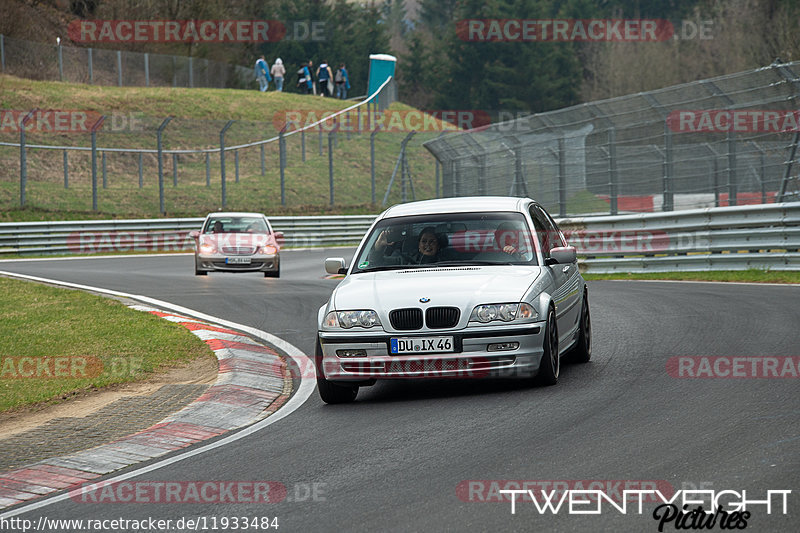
[
  {"x": 330, "y": 392},
  {"x": 275, "y": 274},
  {"x": 582, "y": 352},
  {"x": 551, "y": 364}
]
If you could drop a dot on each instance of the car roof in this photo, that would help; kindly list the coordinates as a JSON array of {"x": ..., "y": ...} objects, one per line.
[
  {"x": 234, "y": 214},
  {"x": 463, "y": 204}
]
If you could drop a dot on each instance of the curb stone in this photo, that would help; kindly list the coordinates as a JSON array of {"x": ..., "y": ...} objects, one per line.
[{"x": 253, "y": 382}]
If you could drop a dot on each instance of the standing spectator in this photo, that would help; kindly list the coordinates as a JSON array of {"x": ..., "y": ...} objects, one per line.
[
  {"x": 262, "y": 74},
  {"x": 278, "y": 71},
  {"x": 301, "y": 77},
  {"x": 324, "y": 75},
  {"x": 304, "y": 78},
  {"x": 342, "y": 82},
  {"x": 312, "y": 87}
]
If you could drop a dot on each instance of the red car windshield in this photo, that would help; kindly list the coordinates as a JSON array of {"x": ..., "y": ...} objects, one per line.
[{"x": 235, "y": 225}]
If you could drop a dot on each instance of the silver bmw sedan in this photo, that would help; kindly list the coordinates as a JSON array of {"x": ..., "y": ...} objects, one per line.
[{"x": 454, "y": 288}]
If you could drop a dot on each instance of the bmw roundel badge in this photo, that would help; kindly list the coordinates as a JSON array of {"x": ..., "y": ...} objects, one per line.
[{"x": 424, "y": 300}]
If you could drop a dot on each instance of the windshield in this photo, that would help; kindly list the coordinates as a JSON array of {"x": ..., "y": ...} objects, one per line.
[
  {"x": 227, "y": 224},
  {"x": 447, "y": 240}
]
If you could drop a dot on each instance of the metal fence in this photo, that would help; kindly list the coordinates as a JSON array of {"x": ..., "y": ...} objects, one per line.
[
  {"x": 726, "y": 238},
  {"x": 730, "y": 140},
  {"x": 99, "y": 66},
  {"x": 134, "y": 149}
]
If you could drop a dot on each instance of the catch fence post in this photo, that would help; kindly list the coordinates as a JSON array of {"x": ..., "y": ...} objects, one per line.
[
  {"x": 23, "y": 159},
  {"x": 96, "y": 126},
  {"x": 66, "y": 170},
  {"x": 161, "y": 165},
  {"x": 222, "y": 160}
]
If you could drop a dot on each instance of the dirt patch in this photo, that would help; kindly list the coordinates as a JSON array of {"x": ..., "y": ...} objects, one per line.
[{"x": 202, "y": 370}]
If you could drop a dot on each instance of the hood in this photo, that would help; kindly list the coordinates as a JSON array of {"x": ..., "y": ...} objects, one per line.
[
  {"x": 237, "y": 240},
  {"x": 462, "y": 287}
]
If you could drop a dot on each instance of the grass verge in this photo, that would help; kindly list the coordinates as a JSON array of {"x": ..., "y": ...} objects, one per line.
[
  {"x": 57, "y": 342},
  {"x": 748, "y": 276}
]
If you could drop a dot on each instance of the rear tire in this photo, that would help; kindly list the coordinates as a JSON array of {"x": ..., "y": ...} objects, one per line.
[
  {"x": 330, "y": 392},
  {"x": 200, "y": 273},
  {"x": 582, "y": 352},
  {"x": 550, "y": 365}
]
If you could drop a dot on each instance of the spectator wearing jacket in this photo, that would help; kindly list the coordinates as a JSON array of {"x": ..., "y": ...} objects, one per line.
[
  {"x": 342, "y": 82},
  {"x": 278, "y": 71},
  {"x": 304, "y": 81},
  {"x": 325, "y": 76},
  {"x": 262, "y": 74}
]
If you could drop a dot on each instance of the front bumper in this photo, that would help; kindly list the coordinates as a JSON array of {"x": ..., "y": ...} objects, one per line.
[
  {"x": 216, "y": 262},
  {"x": 470, "y": 359}
]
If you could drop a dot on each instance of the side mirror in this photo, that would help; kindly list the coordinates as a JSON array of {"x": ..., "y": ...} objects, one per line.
[
  {"x": 335, "y": 265},
  {"x": 194, "y": 234},
  {"x": 564, "y": 255},
  {"x": 279, "y": 238}
]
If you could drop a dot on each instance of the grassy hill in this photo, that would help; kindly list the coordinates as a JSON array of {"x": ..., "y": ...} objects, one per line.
[{"x": 199, "y": 114}]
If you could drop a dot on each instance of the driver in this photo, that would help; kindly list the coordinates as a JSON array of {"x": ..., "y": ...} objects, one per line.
[{"x": 506, "y": 238}]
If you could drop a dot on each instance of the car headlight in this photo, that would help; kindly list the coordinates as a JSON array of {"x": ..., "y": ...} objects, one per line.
[
  {"x": 268, "y": 249},
  {"x": 208, "y": 248},
  {"x": 365, "y": 318},
  {"x": 504, "y": 312}
]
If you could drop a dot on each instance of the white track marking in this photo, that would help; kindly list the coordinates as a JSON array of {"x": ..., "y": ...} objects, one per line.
[{"x": 307, "y": 385}]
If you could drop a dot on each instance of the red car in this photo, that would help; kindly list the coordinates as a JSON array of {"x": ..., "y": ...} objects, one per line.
[{"x": 237, "y": 242}]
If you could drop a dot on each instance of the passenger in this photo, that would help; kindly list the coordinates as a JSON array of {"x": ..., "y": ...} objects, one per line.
[{"x": 430, "y": 247}]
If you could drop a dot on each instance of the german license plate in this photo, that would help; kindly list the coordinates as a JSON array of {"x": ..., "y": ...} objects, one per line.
[
  {"x": 237, "y": 260},
  {"x": 404, "y": 345}
]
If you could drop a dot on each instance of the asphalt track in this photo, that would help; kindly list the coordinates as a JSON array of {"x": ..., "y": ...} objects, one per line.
[{"x": 393, "y": 460}]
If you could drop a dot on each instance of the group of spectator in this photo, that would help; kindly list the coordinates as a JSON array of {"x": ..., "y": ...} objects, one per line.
[
  {"x": 264, "y": 74},
  {"x": 328, "y": 82}
]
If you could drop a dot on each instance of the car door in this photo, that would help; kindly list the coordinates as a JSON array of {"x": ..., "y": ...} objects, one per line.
[{"x": 566, "y": 277}]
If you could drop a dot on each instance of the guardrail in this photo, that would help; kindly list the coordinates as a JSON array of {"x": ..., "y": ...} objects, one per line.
[
  {"x": 166, "y": 235},
  {"x": 725, "y": 238},
  {"x": 763, "y": 237}
]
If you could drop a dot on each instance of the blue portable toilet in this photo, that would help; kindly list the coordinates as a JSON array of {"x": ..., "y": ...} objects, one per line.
[{"x": 381, "y": 67}]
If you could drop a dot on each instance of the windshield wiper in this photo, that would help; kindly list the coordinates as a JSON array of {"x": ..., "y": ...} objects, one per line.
[
  {"x": 381, "y": 268},
  {"x": 469, "y": 263}
]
